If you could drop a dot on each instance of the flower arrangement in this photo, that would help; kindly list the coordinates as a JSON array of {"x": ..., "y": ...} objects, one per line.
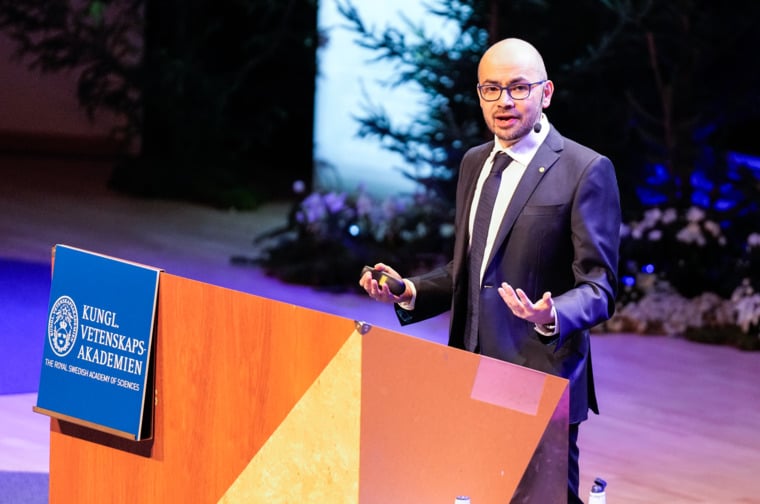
[
  {"x": 688, "y": 246},
  {"x": 706, "y": 318},
  {"x": 331, "y": 235},
  {"x": 681, "y": 274}
]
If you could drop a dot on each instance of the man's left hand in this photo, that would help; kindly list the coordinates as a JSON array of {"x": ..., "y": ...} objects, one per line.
[{"x": 539, "y": 312}]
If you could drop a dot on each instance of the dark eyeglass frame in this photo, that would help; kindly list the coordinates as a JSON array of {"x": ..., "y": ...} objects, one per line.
[{"x": 509, "y": 88}]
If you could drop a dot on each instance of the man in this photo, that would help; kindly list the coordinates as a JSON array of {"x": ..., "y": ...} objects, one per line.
[{"x": 550, "y": 252}]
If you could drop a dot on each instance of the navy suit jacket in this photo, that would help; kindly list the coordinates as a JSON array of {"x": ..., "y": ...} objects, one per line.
[{"x": 560, "y": 233}]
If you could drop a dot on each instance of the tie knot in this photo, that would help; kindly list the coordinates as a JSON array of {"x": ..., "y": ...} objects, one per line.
[{"x": 500, "y": 161}]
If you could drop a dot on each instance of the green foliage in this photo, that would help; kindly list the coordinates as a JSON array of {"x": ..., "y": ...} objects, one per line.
[
  {"x": 98, "y": 39},
  {"x": 444, "y": 71},
  {"x": 635, "y": 79}
]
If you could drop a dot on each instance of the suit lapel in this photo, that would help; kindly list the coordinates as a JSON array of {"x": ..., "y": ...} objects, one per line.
[{"x": 546, "y": 156}]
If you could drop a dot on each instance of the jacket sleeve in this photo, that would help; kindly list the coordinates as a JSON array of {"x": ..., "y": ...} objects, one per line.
[
  {"x": 596, "y": 219},
  {"x": 434, "y": 294}
]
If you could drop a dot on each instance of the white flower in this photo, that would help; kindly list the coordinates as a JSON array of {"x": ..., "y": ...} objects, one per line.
[
  {"x": 654, "y": 235},
  {"x": 713, "y": 227},
  {"x": 652, "y": 216},
  {"x": 747, "y": 311},
  {"x": 299, "y": 187},
  {"x": 335, "y": 202},
  {"x": 743, "y": 290},
  {"x": 692, "y": 233},
  {"x": 669, "y": 216},
  {"x": 695, "y": 214},
  {"x": 364, "y": 205},
  {"x": 446, "y": 230},
  {"x": 753, "y": 240},
  {"x": 312, "y": 209}
]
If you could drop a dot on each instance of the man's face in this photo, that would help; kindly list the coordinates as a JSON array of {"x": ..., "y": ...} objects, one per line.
[{"x": 508, "y": 118}]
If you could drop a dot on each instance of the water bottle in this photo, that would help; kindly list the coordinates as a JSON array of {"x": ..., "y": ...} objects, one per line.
[{"x": 598, "y": 494}]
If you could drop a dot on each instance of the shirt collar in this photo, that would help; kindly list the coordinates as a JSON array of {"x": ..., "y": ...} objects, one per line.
[{"x": 525, "y": 148}]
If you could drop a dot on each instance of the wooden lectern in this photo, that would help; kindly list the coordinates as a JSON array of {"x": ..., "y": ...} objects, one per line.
[{"x": 259, "y": 401}]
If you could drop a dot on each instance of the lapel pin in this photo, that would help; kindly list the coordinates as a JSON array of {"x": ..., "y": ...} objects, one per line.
[{"x": 541, "y": 170}]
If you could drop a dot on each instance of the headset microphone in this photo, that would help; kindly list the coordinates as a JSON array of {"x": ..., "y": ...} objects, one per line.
[{"x": 537, "y": 127}]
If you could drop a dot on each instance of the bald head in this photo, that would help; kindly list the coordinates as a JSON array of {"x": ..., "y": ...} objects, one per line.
[
  {"x": 513, "y": 67},
  {"x": 514, "y": 57}
]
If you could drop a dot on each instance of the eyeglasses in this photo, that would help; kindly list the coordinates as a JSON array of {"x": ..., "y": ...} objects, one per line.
[{"x": 519, "y": 91}]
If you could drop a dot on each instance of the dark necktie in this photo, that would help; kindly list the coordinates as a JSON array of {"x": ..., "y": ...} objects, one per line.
[{"x": 478, "y": 244}]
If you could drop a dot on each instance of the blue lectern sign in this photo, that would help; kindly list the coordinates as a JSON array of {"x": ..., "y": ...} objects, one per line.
[{"x": 98, "y": 341}]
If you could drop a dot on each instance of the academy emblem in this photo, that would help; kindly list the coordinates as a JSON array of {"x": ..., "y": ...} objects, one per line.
[{"x": 63, "y": 325}]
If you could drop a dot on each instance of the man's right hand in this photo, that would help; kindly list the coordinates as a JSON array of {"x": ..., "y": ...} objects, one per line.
[{"x": 381, "y": 292}]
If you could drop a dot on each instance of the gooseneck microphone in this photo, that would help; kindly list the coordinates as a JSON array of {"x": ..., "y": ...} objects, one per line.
[{"x": 537, "y": 127}]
